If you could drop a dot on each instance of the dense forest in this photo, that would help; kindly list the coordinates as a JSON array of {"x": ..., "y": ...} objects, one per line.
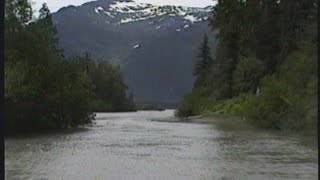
[
  {"x": 264, "y": 68},
  {"x": 44, "y": 89}
]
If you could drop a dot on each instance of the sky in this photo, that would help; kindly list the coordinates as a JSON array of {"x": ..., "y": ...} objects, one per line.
[{"x": 55, "y": 5}]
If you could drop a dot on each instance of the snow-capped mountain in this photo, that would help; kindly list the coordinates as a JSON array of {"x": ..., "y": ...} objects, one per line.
[
  {"x": 156, "y": 46},
  {"x": 130, "y": 11}
]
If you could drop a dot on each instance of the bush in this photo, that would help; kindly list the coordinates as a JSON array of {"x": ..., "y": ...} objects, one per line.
[
  {"x": 184, "y": 111},
  {"x": 195, "y": 103}
]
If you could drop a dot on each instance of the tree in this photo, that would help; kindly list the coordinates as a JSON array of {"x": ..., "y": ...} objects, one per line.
[
  {"x": 228, "y": 20},
  {"x": 87, "y": 56},
  {"x": 203, "y": 64},
  {"x": 44, "y": 90},
  {"x": 264, "y": 46},
  {"x": 247, "y": 75},
  {"x": 48, "y": 29}
]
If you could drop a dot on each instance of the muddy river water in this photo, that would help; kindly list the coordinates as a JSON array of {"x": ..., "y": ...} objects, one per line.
[{"x": 147, "y": 145}]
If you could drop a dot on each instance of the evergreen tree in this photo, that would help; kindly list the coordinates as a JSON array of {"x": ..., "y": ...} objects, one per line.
[
  {"x": 87, "y": 56},
  {"x": 265, "y": 64},
  {"x": 43, "y": 90},
  {"x": 228, "y": 20},
  {"x": 49, "y": 31},
  {"x": 202, "y": 66}
]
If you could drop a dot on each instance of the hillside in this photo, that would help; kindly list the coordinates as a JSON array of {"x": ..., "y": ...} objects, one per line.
[{"x": 154, "y": 45}]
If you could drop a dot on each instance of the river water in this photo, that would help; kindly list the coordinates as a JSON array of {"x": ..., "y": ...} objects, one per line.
[{"x": 146, "y": 145}]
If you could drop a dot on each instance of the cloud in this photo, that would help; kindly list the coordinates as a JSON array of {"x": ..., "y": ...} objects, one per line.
[{"x": 55, "y": 5}]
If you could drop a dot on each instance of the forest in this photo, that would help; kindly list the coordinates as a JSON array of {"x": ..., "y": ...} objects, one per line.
[
  {"x": 46, "y": 90},
  {"x": 264, "y": 69}
]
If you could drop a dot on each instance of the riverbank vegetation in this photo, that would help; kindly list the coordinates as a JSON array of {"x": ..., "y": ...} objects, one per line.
[
  {"x": 148, "y": 107},
  {"x": 44, "y": 89},
  {"x": 265, "y": 65}
]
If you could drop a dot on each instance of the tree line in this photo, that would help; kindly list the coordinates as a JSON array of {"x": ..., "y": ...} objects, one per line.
[
  {"x": 44, "y": 89},
  {"x": 264, "y": 68}
]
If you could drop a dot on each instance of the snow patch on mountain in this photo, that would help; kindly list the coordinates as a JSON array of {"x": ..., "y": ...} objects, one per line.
[
  {"x": 109, "y": 14},
  {"x": 127, "y": 20},
  {"x": 98, "y": 9},
  {"x": 130, "y": 11},
  {"x": 192, "y": 19},
  {"x": 136, "y": 46}
]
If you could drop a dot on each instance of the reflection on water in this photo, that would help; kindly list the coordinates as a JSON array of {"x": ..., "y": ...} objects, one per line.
[{"x": 139, "y": 146}]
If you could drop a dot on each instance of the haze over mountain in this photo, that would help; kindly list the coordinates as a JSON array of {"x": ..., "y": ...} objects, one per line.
[{"x": 155, "y": 46}]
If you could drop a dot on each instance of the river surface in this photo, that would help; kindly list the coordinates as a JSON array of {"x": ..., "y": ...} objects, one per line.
[{"x": 145, "y": 145}]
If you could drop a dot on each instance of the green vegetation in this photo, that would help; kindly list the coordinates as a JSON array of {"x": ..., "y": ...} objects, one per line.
[
  {"x": 202, "y": 65},
  {"x": 109, "y": 91},
  {"x": 265, "y": 66},
  {"x": 45, "y": 90}
]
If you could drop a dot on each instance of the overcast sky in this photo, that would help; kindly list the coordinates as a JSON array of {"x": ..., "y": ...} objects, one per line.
[{"x": 55, "y": 5}]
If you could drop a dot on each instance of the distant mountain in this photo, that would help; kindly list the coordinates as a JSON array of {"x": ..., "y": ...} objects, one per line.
[{"x": 156, "y": 46}]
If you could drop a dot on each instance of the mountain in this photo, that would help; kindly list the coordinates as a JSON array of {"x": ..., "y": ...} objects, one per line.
[{"x": 155, "y": 46}]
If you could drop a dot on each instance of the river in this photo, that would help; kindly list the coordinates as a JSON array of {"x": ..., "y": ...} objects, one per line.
[{"x": 146, "y": 145}]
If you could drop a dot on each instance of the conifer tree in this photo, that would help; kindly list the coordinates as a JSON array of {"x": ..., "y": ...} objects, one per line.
[{"x": 203, "y": 64}]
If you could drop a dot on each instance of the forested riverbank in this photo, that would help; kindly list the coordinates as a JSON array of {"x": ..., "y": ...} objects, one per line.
[
  {"x": 44, "y": 89},
  {"x": 264, "y": 68}
]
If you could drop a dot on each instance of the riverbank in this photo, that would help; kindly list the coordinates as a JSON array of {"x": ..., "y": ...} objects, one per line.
[{"x": 233, "y": 123}]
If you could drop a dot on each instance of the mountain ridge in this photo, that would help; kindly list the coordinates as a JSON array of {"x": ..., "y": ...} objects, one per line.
[{"x": 167, "y": 43}]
